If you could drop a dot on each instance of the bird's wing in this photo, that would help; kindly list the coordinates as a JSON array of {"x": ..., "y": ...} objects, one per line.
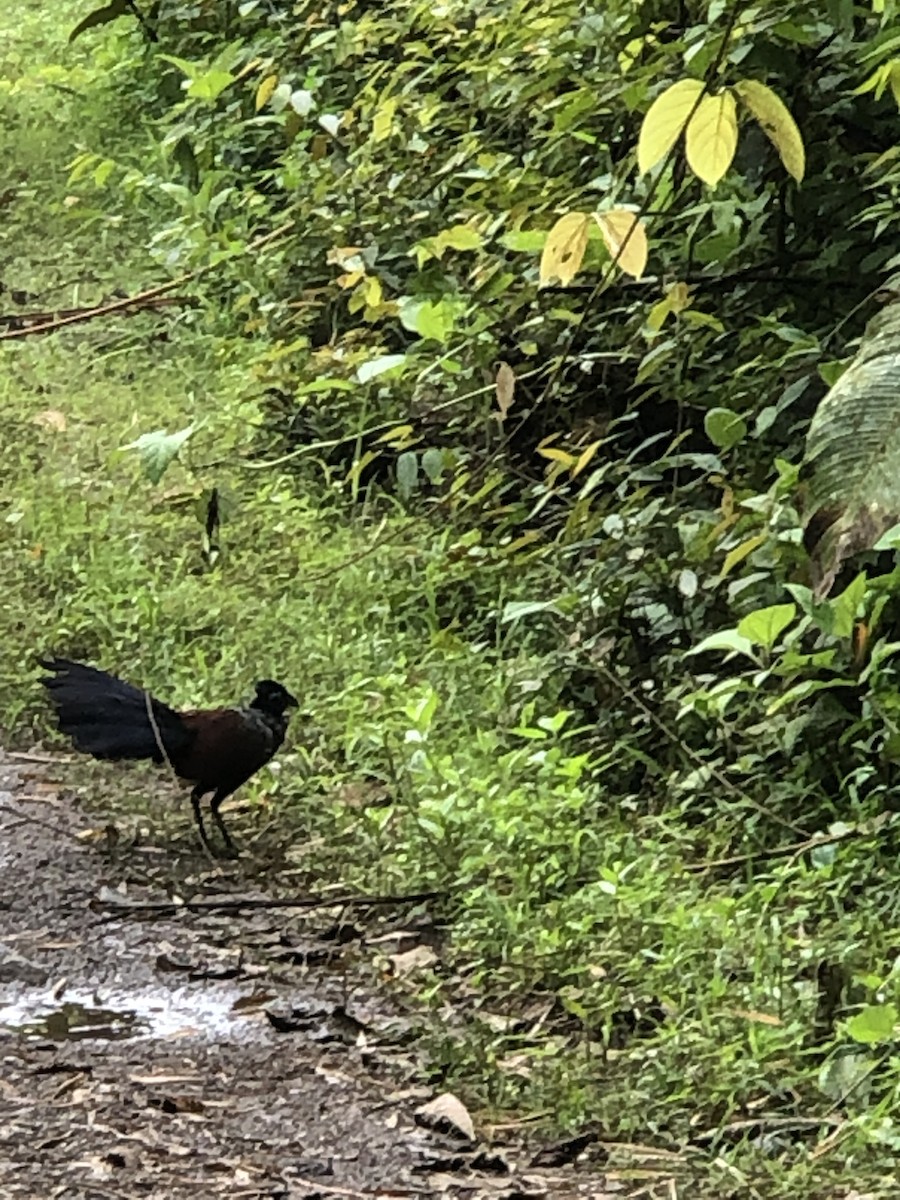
[{"x": 229, "y": 745}]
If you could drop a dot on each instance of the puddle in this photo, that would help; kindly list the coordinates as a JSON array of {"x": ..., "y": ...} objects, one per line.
[{"x": 119, "y": 1015}]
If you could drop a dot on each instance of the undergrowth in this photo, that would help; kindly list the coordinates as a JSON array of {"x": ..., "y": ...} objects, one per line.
[{"x": 629, "y": 946}]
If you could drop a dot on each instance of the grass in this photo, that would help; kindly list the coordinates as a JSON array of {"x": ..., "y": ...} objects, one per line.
[{"x": 676, "y": 1003}]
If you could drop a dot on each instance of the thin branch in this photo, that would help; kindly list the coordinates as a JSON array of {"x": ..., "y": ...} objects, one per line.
[
  {"x": 161, "y": 289},
  {"x": 18, "y": 323},
  {"x": 238, "y": 904},
  {"x": 789, "y": 851}
]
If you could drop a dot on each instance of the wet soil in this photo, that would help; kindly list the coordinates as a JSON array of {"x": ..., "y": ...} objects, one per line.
[{"x": 195, "y": 1054}]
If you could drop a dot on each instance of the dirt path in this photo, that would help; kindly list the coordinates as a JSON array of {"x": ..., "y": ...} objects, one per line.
[{"x": 138, "y": 1056}]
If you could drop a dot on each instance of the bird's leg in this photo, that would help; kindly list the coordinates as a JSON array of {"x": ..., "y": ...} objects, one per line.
[
  {"x": 196, "y": 796},
  {"x": 217, "y": 799}
]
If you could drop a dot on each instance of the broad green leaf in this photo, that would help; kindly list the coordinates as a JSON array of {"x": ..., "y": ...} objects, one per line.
[
  {"x": 830, "y": 372},
  {"x": 378, "y": 366},
  {"x": 433, "y": 464},
  {"x": 210, "y": 85},
  {"x": 428, "y": 318},
  {"x": 724, "y": 428},
  {"x": 777, "y": 124},
  {"x": 845, "y": 606},
  {"x": 889, "y": 540},
  {"x": 711, "y": 138},
  {"x": 158, "y": 449},
  {"x": 460, "y": 237},
  {"x": 664, "y": 122},
  {"x": 565, "y": 247},
  {"x": 626, "y": 240},
  {"x": 725, "y": 639},
  {"x": 852, "y": 459},
  {"x": 407, "y": 473},
  {"x": 873, "y": 1024},
  {"x": 764, "y": 626}
]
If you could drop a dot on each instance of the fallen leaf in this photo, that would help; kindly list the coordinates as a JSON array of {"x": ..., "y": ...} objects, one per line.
[
  {"x": 255, "y": 1000},
  {"x": 51, "y": 418},
  {"x": 420, "y": 958},
  {"x": 446, "y": 1112}
]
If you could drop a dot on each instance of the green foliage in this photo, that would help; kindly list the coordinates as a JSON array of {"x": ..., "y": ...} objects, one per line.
[{"x": 533, "y": 555}]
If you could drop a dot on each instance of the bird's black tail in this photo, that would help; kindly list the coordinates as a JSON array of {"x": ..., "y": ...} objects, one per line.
[{"x": 107, "y": 718}]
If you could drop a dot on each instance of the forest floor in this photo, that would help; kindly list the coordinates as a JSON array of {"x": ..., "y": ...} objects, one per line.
[{"x": 188, "y": 1053}]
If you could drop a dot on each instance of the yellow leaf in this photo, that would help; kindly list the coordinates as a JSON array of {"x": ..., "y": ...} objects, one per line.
[
  {"x": 384, "y": 120},
  {"x": 739, "y": 553},
  {"x": 679, "y": 296},
  {"x": 895, "y": 81},
  {"x": 585, "y": 457},
  {"x": 505, "y": 384},
  {"x": 676, "y": 300},
  {"x": 777, "y": 124},
  {"x": 264, "y": 91},
  {"x": 564, "y": 248},
  {"x": 372, "y": 291},
  {"x": 711, "y": 138},
  {"x": 626, "y": 240},
  {"x": 398, "y": 434},
  {"x": 665, "y": 119},
  {"x": 560, "y": 456}
]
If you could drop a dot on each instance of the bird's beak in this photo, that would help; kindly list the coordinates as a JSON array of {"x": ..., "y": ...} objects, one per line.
[{"x": 292, "y": 701}]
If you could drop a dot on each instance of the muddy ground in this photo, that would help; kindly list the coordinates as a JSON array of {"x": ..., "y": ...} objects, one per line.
[{"x": 181, "y": 1053}]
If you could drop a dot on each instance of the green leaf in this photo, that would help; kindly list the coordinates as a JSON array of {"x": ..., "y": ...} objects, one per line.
[
  {"x": 514, "y": 610},
  {"x": 831, "y": 372},
  {"x": 889, "y": 540},
  {"x": 433, "y": 464},
  {"x": 845, "y": 606},
  {"x": 726, "y": 639},
  {"x": 407, "y": 473},
  {"x": 379, "y": 366},
  {"x": 210, "y": 85},
  {"x": 800, "y": 691},
  {"x": 460, "y": 237},
  {"x": 764, "y": 626},
  {"x": 158, "y": 449},
  {"x": 873, "y": 1024},
  {"x": 724, "y": 428},
  {"x": 428, "y": 318},
  {"x": 528, "y": 240}
]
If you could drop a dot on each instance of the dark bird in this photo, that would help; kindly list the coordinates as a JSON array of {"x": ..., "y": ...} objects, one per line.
[{"x": 215, "y": 749}]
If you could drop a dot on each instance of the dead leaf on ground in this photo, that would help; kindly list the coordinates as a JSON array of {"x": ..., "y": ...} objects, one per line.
[
  {"x": 256, "y": 999},
  {"x": 51, "y": 418},
  {"x": 420, "y": 958},
  {"x": 447, "y": 1113}
]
